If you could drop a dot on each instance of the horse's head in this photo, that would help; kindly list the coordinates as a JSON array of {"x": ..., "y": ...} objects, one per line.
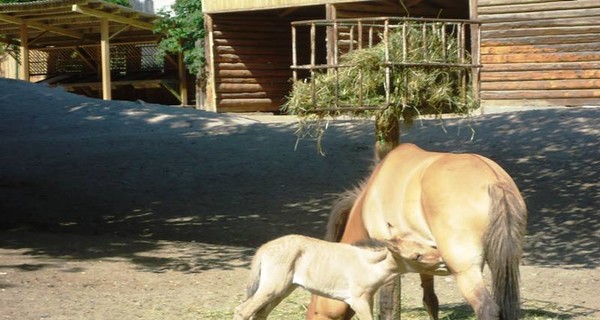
[{"x": 416, "y": 256}]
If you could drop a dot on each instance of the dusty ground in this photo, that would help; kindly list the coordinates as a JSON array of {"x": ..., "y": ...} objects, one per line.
[{"x": 121, "y": 210}]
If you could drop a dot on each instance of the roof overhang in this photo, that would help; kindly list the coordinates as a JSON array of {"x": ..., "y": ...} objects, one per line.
[
  {"x": 73, "y": 23},
  {"x": 219, "y": 6}
]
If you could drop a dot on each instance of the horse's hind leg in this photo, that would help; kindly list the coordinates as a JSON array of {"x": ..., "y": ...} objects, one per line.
[
  {"x": 430, "y": 300},
  {"x": 471, "y": 286}
]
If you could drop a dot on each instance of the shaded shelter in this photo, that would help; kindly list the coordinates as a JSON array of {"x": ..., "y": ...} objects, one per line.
[
  {"x": 92, "y": 47},
  {"x": 532, "y": 54}
]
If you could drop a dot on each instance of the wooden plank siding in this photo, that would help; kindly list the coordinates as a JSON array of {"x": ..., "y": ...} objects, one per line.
[
  {"x": 540, "y": 52},
  {"x": 251, "y": 63}
]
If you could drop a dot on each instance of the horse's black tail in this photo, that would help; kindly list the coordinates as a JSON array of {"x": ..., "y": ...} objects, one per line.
[{"x": 504, "y": 246}]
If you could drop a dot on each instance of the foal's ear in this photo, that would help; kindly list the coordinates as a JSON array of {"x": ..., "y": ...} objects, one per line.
[{"x": 394, "y": 245}]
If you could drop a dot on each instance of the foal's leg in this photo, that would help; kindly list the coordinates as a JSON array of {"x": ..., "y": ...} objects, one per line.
[
  {"x": 430, "y": 300},
  {"x": 471, "y": 286},
  {"x": 264, "y": 312},
  {"x": 363, "y": 307},
  {"x": 269, "y": 293}
]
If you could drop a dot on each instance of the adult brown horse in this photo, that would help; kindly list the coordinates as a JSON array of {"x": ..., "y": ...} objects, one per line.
[{"x": 465, "y": 204}]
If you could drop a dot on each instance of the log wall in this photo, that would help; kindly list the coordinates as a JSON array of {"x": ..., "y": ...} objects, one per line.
[
  {"x": 250, "y": 58},
  {"x": 540, "y": 52}
]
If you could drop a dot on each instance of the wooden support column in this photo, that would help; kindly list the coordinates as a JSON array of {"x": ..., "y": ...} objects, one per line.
[
  {"x": 211, "y": 79},
  {"x": 105, "y": 57},
  {"x": 475, "y": 51},
  {"x": 24, "y": 67},
  {"x": 183, "y": 90},
  {"x": 331, "y": 14}
]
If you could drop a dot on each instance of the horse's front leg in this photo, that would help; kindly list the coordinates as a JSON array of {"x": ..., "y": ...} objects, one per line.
[
  {"x": 430, "y": 300},
  {"x": 321, "y": 308}
]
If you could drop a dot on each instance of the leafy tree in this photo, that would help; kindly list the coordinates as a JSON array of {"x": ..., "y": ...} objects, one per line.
[{"x": 184, "y": 30}]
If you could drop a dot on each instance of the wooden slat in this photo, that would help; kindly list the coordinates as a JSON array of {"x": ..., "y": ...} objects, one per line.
[
  {"x": 248, "y": 105},
  {"x": 243, "y": 95},
  {"x": 519, "y": 7},
  {"x": 234, "y": 58},
  {"x": 241, "y": 34},
  {"x": 242, "y": 73},
  {"x": 486, "y": 3},
  {"x": 562, "y": 14},
  {"x": 248, "y": 87},
  {"x": 542, "y": 23},
  {"x": 551, "y": 48},
  {"x": 560, "y": 84},
  {"x": 540, "y": 58},
  {"x": 540, "y": 75},
  {"x": 554, "y": 39},
  {"x": 257, "y": 28},
  {"x": 244, "y": 50},
  {"x": 542, "y": 66},
  {"x": 540, "y": 94},
  {"x": 546, "y": 31},
  {"x": 252, "y": 66},
  {"x": 270, "y": 79},
  {"x": 250, "y": 43},
  {"x": 541, "y": 102}
]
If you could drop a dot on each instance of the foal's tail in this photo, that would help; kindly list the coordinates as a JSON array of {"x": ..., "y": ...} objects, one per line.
[
  {"x": 254, "y": 280},
  {"x": 339, "y": 214},
  {"x": 504, "y": 246}
]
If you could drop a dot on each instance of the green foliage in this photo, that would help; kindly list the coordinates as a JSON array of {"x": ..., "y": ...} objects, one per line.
[{"x": 183, "y": 28}]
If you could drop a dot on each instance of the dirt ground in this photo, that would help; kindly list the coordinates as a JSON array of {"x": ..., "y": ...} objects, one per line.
[{"x": 125, "y": 210}]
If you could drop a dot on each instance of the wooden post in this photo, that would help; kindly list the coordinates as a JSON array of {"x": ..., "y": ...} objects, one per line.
[
  {"x": 211, "y": 78},
  {"x": 24, "y": 67},
  {"x": 475, "y": 51},
  {"x": 312, "y": 64},
  {"x": 183, "y": 92},
  {"x": 105, "y": 57},
  {"x": 330, "y": 15},
  {"x": 294, "y": 54}
]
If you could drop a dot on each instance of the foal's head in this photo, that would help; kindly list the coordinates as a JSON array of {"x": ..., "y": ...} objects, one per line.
[{"x": 416, "y": 256}]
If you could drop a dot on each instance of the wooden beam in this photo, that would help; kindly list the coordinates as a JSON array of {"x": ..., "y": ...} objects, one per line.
[
  {"x": 24, "y": 67},
  {"x": 41, "y": 26},
  {"x": 112, "y": 17},
  {"x": 85, "y": 59},
  {"x": 475, "y": 32},
  {"x": 182, "y": 80},
  {"x": 119, "y": 31},
  {"x": 211, "y": 77},
  {"x": 105, "y": 55}
]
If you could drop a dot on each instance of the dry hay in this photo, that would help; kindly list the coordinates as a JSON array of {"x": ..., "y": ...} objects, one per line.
[{"x": 432, "y": 87}]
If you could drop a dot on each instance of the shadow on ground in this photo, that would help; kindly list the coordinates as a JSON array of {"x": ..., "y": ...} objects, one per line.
[
  {"x": 464, "y": 311},
  {"x": 135, "y": 175}
]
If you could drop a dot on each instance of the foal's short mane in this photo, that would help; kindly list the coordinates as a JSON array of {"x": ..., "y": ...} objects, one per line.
[{"x": 372, "y": 244}]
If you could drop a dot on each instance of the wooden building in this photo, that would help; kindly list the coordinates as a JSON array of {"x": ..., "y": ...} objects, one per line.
[
  {"x": 533, "y": 53},
  {"x": 91, "y": 47},
  {"x": 543, "y": 53}
]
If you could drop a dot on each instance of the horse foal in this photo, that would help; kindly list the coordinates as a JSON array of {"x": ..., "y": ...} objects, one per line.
[{"x": 350, "y": 273}]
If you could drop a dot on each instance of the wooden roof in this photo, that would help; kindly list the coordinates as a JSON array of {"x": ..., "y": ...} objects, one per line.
[
  {"x": 218, "y": 6},
  {"x": 67, "y": 23}
]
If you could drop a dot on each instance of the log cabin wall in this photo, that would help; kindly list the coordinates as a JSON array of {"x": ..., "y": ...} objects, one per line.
[
  {"x": 540, "y": 53},
  {"x": 251, "y": 58},
  {"x": 249, "y": 52}
]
